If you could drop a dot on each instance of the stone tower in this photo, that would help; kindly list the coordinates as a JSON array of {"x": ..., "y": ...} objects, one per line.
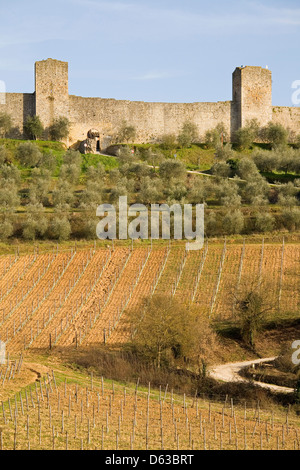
[
  {"x": 251, "y": 95},
  {"x": 51, "y": 90}
]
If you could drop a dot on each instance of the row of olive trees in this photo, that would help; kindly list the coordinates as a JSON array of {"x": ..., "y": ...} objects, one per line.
[
  {"x": 34, "y": 128},
  {"x": 281, "y": 159},
  {"x": 142, "y": 183},
  {"x": 274, "y": 134},
  {"x": 62, "y": 224}
]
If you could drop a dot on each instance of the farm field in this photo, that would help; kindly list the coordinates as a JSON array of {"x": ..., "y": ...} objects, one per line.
[
  {"x": 74, "y": 299},
  {"x": 80, "y": 297},
  {"x": 56, "y": 408}
]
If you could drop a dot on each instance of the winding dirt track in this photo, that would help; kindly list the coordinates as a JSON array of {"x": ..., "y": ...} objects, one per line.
[{"x": 231, "y": 373}]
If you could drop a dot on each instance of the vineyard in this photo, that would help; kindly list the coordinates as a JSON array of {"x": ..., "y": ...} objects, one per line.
[
  {"x": 81, "y": 297},
  {"x": 65, "y": 410}
]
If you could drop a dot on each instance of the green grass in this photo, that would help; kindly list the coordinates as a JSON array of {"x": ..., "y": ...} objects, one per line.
[
  {"x": 43, "y": 145},
  {"x": 90, "y": 159},
  {"x": 196, "y": 157}
]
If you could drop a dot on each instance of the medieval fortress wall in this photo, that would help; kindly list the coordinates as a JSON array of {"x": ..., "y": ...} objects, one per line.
[{"x": 251, "y": 99}]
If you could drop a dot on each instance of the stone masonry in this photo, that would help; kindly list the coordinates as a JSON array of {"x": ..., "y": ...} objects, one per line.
[{"x": 251, "y": 99}]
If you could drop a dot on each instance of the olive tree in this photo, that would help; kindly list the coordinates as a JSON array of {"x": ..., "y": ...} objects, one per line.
[
  {"x": 91, "y": 196},
  {"x": 28, "y": 154},
  {"x": 264, "y": 222},
  {"x": 6, "y": 228},
  {"x": 169, "y": 169},
  {"x": 10, "y": 173},
  {"x": 9, "y": 196},
  {"x": 36, "y": 222},
  {"x": 275, "y": 133},
  {"x": 4, "y": 155},
  {"x": 5, "y": 124},
  {"x": 245, "y": 136},
  {"x": 60, "y": 227},
  {"x": 40, "y": 185},
  {"x": 214, "y": 138},
  {"x": 60, "y": 128},
  {"x": 33, "y": 127},
  {"x": 188, "y": 134},
  {"x": 63, "y": 195},
  {"x": 233, "y": 222},
  {"x": 247, "y": 169},
  {"x": 126, "y": 133}
]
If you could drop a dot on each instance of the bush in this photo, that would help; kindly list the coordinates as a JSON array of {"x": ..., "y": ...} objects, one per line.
[
  {"x": 214, "y": 225},
  {"x": 89, "y": 229},
  {"x": 244, "y": 138},
  {"x": 70, "y": 173},
  {"x": 91, "y": 196}
]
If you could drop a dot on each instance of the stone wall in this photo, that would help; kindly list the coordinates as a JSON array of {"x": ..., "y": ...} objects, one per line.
[
  {"x": 19, "y": 106},
  {"x": 152, "y": 120},
  {"x": 288, "y": 117}
]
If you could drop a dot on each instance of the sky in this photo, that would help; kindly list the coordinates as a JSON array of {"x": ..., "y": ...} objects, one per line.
[{"x": 151, "y": 50}]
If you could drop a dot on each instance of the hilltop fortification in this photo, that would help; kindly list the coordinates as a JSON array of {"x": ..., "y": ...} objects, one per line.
[{"x": 251, "y": 99}]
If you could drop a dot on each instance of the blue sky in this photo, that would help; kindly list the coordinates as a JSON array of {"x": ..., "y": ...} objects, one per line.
[{"x": 151, "y": 50}]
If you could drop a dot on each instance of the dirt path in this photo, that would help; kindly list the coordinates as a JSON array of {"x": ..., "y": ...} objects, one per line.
[{"x": 231, "y": 373}]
